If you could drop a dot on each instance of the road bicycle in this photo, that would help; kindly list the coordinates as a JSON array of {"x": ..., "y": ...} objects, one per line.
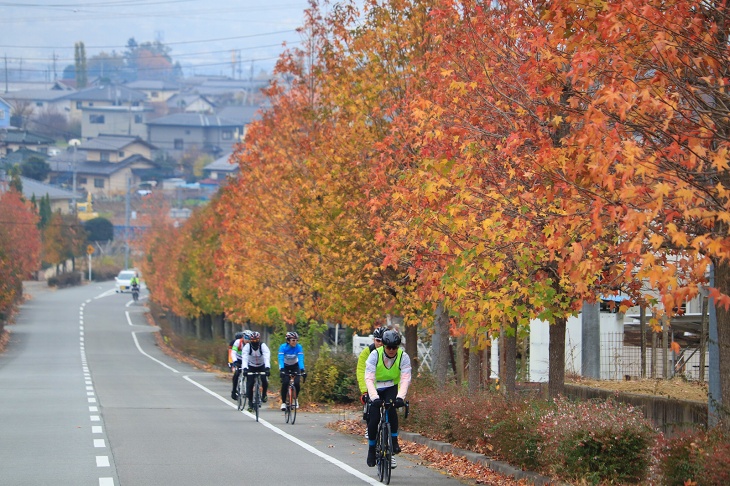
[
  {"x": 135, "y": 292},
  {"x": 290, "y": 412},
  {"x": 255, "y": 403},
  {"x": 384, "y": 442}
]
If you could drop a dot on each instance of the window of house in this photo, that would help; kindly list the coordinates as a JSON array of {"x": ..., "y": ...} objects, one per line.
[
  {"x": 155, "y": 94},
  {"x": 79, "y": 104},
  {"x": 178, "y": 144},
  {"x": 138, "y": 119},
  {"x": 91, "y": 103},
  {"x": 2, "y": 114},
  {"x": 96, "y": 119},
  {"x": 99, "y": 183},
  {"x": 121, "y": 153},
  {"x": 136, "y": 103},
  {"x": 39, "y": 103},
  {"x": 104, "y": 156},
  {"x": 187, "y": 132},
  {"x": 227, "y": 135},
  {"x": 83, "y": 180}
]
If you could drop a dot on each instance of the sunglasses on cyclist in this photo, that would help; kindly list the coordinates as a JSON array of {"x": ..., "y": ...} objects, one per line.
[{"x": 391, "y": 348}]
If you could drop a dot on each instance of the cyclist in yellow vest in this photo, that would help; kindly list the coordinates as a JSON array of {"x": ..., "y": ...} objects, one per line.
[
  {"x": 387, "y": 375},
  {"x": 361, "y": 360}
]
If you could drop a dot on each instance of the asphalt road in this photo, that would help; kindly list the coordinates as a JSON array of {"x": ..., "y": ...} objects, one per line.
[{"x": 87, "y": 398}]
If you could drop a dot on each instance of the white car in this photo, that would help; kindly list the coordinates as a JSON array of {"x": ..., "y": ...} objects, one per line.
[{"x": 124, "y": 280}]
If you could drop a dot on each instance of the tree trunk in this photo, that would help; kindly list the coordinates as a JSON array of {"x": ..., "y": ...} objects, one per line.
[
  {"x": 509, "y": 363},
  {"x": 460, "y": 360},
  {"x": 556, "y": 357},
  {"x": 722, "y": 283},
  {"x": 474, "y": 367},
  {"x": 411, "y": 334},
  {"x": 440, "y": 344}
]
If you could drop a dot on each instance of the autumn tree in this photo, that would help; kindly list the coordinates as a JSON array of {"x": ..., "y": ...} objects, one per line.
[{"x": 19, "y": 248}]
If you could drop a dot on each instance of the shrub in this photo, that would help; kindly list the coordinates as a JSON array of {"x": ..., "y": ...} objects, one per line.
[
  {"x": 65, "y": 280},
  {"x": 596, "y": 441},
  {"x": 514, "y": 433},
  {"x": 698, "y": 457},
  {"x": 333, "y": 377}
]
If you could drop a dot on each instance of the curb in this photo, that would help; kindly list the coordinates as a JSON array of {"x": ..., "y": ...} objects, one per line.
[{"x": 496, "y": 466}]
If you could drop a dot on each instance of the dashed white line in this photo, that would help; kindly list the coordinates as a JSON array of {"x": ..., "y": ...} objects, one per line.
[
  {"x": 99, "y": 443},
  {"x": 102, "y": 461}
]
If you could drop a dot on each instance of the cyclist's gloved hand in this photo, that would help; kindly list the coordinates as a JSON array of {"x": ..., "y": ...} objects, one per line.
[
  {"x": 282, "y": 374},
  {"x": 304, "y": 374},
  {"x": 364, "y": 398},
  {"x": 268, "y": 371},
  {"x": 399, "y": 402},
  {"x": 377, "y": 403},
  {"x": 245, "y": 371}
]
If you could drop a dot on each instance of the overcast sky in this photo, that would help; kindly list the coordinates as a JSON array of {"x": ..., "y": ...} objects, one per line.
[{"x": 201, "y": 33}]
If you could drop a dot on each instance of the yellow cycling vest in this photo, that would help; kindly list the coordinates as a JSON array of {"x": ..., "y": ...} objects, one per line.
[{"x": 384, "y": 376}]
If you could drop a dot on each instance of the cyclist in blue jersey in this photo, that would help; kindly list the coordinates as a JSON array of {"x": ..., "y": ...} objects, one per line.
[{"x": 291, "y": 359}]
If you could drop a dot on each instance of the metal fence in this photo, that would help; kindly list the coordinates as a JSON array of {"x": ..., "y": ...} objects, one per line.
[{"x": 619, "y": 361}]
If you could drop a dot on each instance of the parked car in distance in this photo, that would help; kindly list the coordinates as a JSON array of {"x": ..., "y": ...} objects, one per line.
[{"x": 123, "y": 280}]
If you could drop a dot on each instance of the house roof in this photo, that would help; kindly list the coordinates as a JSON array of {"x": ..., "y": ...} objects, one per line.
[
  {"x": 182, "y": 100},
  {"x": 153, "y": 84},
  {"x": 32, "y": 187},
  {"x": 37, "y": 95},
  {"x": 193, "y": 120},
  {"x": 24, "y": 137},
  {"x": 98, "y": 168},
  {"x": 110, "y": 92},
  {"x": 21, "y": 155},
  {"x": 112, "y": 143},
  {"x": 223, "y": 164},
  {"x": 241, "y": 114}
]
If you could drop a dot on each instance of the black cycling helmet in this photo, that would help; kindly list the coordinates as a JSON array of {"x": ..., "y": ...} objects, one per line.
[
  {"x": 238, "y": 335},
  {"x": 378, "y": 333},
  {"x": 391, "y": 338},
  {"x": 292, "y": 335}
]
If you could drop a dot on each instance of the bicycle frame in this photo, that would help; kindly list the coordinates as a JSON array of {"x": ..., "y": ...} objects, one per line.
[
  {"x": 256, "y": 398},
  {"x": 384, "y": 442},
  {"x": 290, "y": 412}
]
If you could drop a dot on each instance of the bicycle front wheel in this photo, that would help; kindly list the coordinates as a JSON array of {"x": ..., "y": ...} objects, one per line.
[
  {"x": 384, "y": 451},
  {"x": 293, "y": 403},
  {"x": 241, "y": 392},
  {"x": 256, "y": 397}
]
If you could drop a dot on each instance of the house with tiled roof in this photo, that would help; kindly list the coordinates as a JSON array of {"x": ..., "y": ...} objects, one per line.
[
  {"x": 61, "y": 200},
  {"x": 189, "y": 103},
  {"x": 99, "y": 178},
  {"x": 20, "y": 156},
  {"x": 36, "y": 101},
  {"x": 86, "y": 105},
  {"x": 157, "y": 91},
  {"x": 13, "y": 139},
  {"x": 177, "y": 133},
  {"x": 115, "y": 148},
  {"x": 221, "y": 168}
]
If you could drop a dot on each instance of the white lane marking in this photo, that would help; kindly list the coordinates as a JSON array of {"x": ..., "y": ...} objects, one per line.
[
  {"x": 89, "y": 387},
  {"x": 136, "y": 343},
  {"x": 93, "y": 409},
  {"x": 99, "y": 443},
  {"x": 96, "y": 429},
  {"x": 106, "y": 481},
  {"x": 345, "y": 467},
  {"x": 89, "y": 393},
  {"x": 91, "y": 400},
  {"x": 106, "y": 294},
  {"x": 102, "y": 461},
  {"x": 95, "y": 418}
]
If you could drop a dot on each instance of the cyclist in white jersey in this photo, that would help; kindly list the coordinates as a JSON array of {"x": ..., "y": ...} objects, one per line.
[{"x": 255, "y": 356}]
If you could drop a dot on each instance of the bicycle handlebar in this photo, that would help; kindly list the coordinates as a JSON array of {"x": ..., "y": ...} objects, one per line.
[{"x": 254, "y": 373}]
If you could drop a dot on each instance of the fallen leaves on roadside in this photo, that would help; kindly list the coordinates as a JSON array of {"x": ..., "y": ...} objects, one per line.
[{"x": 455, "y": 466}]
